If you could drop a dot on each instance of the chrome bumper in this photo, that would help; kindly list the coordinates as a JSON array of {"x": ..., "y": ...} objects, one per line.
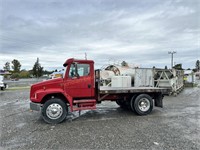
[{"x": 35, "y": 106}]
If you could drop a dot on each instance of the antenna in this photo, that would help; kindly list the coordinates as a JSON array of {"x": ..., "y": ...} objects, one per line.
[{"x": 85, "y": 56}]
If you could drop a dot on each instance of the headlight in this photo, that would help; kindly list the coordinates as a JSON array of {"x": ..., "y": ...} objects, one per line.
[{"x": 35, "y": 96}]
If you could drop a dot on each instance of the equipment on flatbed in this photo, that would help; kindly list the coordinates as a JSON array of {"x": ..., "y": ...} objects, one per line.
[
  {"x": 171, "y": 79},
  {"x": 80, "y": 89}
]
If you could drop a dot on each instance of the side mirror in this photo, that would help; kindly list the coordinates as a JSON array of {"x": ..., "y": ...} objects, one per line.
[{"x": 76, "y": 70}]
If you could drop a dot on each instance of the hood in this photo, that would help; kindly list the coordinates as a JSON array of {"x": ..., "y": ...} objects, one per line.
[{"x": 52, "y": 83}]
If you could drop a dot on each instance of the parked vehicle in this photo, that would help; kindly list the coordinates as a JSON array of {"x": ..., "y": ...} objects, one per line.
[
  {"x": 3, "y": 85},
  {"x": 79, "y": 89}
]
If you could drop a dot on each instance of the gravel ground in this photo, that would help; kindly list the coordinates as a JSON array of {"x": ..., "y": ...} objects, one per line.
[{"x": 176, "y": 126}]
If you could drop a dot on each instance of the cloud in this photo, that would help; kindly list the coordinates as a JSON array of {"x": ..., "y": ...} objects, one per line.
[{"x": 139, "y": 32}]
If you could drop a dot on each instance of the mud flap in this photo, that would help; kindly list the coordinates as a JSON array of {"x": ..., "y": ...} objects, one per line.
[{"x": 159, "y": 100}]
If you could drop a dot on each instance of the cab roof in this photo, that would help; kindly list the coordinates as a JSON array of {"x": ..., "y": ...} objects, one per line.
[{"x": 71, "y": 60}]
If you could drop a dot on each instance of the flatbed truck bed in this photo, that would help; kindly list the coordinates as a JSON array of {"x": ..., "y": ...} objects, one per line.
[{"x": 119, "y": 90}]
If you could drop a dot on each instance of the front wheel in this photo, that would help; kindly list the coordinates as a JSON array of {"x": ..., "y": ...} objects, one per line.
[
  {"x": 54, "y": 111},
  {"x": 142, "y": 104},
  {"x": 2, "y": 88}
]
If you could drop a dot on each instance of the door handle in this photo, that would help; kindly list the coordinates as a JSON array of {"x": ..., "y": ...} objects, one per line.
[{"x": 89, "y": 85}]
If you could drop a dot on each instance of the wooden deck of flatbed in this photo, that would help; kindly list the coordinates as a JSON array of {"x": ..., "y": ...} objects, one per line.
[{"x": 118, "y": 90}]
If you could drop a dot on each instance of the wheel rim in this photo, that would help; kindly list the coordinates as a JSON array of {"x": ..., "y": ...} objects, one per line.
[
  {"x": 54, "y": 111},
  {"x": 144, "y": 104}
]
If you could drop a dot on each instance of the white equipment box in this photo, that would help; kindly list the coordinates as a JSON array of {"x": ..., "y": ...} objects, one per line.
[{"x": 121, "y": 81}]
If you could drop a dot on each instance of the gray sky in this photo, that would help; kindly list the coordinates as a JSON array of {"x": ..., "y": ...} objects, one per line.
[{"x": 137, "y": 31}]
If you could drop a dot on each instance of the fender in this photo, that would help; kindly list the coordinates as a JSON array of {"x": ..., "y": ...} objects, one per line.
[
  {"x": 40, "y": 94},
  {"x": 70, "y": 100}
]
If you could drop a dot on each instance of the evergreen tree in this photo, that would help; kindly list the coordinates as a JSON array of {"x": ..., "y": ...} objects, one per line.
[
  {"x": 37, "y": 69},
  {"x": 198, "y": 65},
  {"x": 16, "y": 66},
  {"x": 178, "y": 66}
]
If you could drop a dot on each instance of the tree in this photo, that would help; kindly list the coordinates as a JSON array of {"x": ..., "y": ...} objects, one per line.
[
  {"x": 16, "y": 66},
  {"x": 7, "y": 66},
  {"x": 124, "y": 64},
  {"x": 15, "y": 76},
  {"x": 198, "y": 65},
  {"x": 24, "y": 74},
  {"x": 178, "y": 66},
  {"x": 37, "y": 69}
]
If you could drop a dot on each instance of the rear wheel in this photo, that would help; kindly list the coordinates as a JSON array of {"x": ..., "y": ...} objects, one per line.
[
  {"x": 54, "y": 111},
  {"x": 122, "y": 104},
  {"x": 142, "y": 104}
]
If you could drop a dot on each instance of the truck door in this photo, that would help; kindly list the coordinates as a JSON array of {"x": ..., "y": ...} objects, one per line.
[{"x": 79, "y": 81}]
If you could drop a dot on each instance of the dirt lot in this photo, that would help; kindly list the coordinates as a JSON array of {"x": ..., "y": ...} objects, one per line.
[{"x": 176, "y": 126}]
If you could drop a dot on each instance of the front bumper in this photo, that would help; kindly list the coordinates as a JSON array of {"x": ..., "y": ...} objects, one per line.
[{"x": 35, "y": 106}]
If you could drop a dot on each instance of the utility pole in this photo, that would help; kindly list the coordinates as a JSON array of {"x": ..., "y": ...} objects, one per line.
[
  {"x": 172, "y": 56},
  {"x": 85, "y": 56}
]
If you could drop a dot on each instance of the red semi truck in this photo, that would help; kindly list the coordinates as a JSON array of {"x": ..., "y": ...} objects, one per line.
[{"x": 79, "y": 89}]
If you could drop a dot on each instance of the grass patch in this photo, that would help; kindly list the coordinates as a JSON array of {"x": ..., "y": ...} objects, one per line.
[{"x": 18, "y": 88}]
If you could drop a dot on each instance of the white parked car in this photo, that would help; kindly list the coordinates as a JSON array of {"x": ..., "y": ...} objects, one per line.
[{"x": 3, "y": 85}]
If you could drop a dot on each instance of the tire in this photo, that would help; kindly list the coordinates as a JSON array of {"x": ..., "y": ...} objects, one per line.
[
  {"x": 54, "y": 111},
  {"x": 131, "y": 101},
  {"x": 119, "y": 102},
  {"x": 142, "y": 104},
  {"x": 122, "y": 104},
  {"x": 5, "y": 85},
  {"x": 2, "y": 88}
]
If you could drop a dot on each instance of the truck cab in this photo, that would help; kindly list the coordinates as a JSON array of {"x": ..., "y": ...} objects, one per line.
[
  {"x": 76, "y": 86},
  {"x": 79, "y": 78}
]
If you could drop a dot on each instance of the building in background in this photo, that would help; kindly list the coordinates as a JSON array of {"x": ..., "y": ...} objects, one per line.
[
  {"x": 57, "y": 74},
  {"x": 189, "y": 78}
]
